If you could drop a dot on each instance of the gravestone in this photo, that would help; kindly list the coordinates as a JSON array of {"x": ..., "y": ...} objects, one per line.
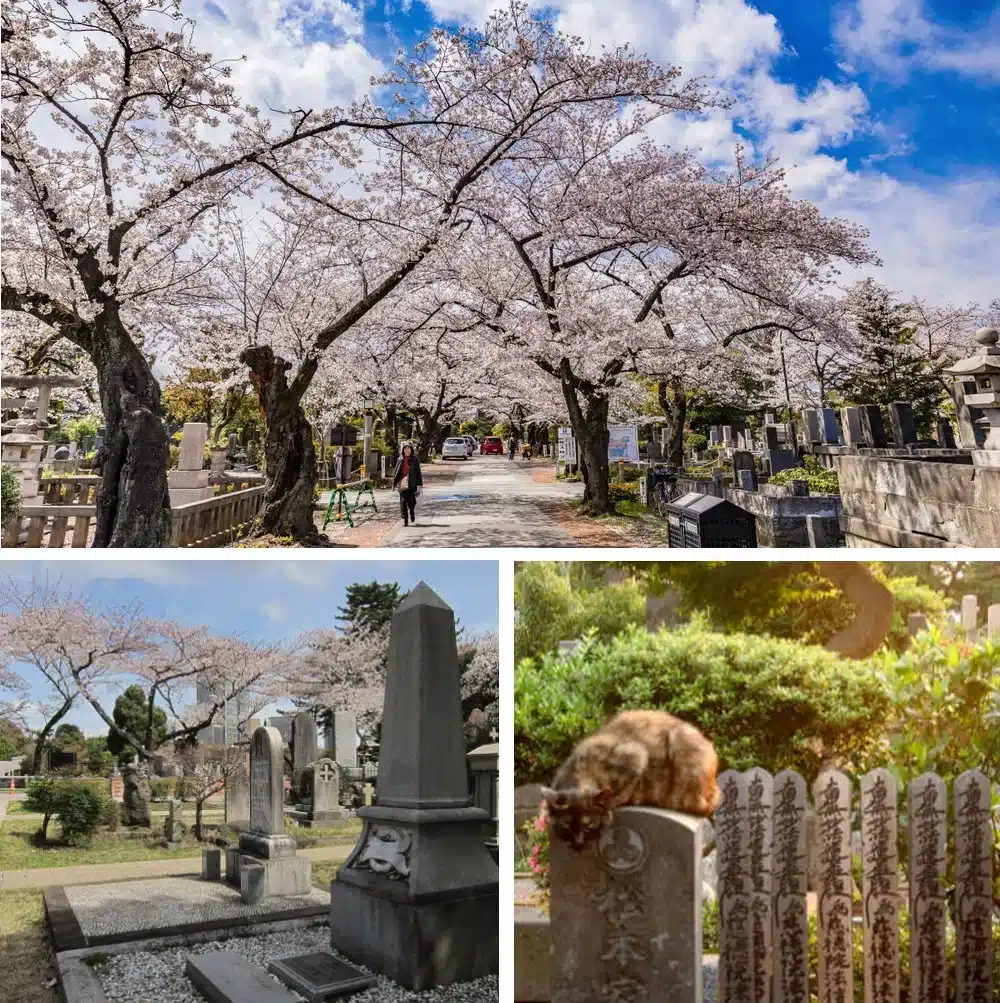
[
  {"x": 746, "y": 480},
  {"x": 369, "y": 793},
  {"x": 928, "y": 822},
  {"x": 211, "y": 863},
  {"x": 345, "y": 738},
  {"x": 305, "y": 746},
  {"x": 945, "y": 434},
  {"x": 135, "y": 797},
  {"x": 850, "y": 418},
  {"x": 227, "y": 977},
  {"x": 872, "y": 426},
  {"x": 237, "y": 806},
  {"x": 832, "y": 801},
  {"x": 904, "y": 428},
  {"x": 173, "y": 829},
  {"x": 831, "y": 433},
  {"x": 727, "y": 434},
  {"x": 993, "y": 622},
  {"x": 62, "y": 452},
  {"x": 974, "y": 945},
  {"x": 189, "y": 482},
  {"x": 265, "y": 842},
  {"x": 743, "y": 463},
  {"x": 326, "y": 792},
  {"x": 915, "y": 623},
  {"x": 790, "y": 887},
  {"x": 614, "y": 934},
  {"x": 320, "y": 975},
  {"x": 760, "y": 803},
  {"x": 811, "y": 419},
  {"x": 418, "y": 898},
  {"x": 970, "y": 618},
  {"x": 880, "y": 891}
]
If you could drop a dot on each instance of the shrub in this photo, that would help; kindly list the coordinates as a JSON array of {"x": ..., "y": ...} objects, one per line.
[
  {"x": 81, "y": 810},
  {"x": 695, "y": 441},
  {"x": 42, "y": 796},
  {"x": 821, "y": 481},
  {"x": 11, "y": 495},
  {"x": 619, "y": 491},
  {"x": 763, "y": 701},
  {"x": 161, "y": 788},
  {"x": 550, "y": 611}
]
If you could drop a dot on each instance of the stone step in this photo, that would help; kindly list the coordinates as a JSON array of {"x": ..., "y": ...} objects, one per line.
[{"x": 227, "y": 977}]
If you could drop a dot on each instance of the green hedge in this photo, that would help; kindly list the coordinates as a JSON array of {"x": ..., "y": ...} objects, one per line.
[
  {"x": 763, "y": 701},
  {"x": 11, "y": 495}
]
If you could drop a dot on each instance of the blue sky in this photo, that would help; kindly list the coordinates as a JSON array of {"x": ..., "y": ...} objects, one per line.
[
  {"x": 266, "y": 600},
  {"x": 882, "y": 111}
]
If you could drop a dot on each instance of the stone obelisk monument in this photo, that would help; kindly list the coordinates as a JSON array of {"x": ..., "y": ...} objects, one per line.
[{"x": 418, "y": 898}]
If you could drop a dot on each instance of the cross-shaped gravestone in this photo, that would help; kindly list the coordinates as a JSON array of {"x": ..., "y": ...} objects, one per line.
[
  {"x": 326, "y": 772},
  {"x": 494, "y": 734}
]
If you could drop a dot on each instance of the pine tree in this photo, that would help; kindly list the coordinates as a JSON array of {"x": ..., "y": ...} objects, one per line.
[
  {"x": 889, "y": 368},
  {"x": 370, "y": 607}
]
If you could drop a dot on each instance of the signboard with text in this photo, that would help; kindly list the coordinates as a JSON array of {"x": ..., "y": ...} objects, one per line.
[
  {"x": 567, "y": 446},
  {"x": 623, "y": 443}
]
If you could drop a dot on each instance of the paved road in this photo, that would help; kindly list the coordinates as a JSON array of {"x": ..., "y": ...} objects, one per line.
[{"x": 491, "y": 503}]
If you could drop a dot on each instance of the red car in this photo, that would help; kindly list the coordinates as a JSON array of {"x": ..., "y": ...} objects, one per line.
[{"x": 491, "y": 444}]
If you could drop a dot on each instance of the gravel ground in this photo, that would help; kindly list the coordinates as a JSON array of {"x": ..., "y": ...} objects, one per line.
[
  {"x": 160, "y": 902},
  {"x": 158, "y": 976}
]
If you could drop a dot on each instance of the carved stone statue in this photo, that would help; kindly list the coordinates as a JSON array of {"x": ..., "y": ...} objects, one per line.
[{"x": 135, "y": 797}]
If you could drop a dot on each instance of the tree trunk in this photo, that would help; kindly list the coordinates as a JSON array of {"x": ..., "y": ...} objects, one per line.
[
  {"x": 289, "y": 453},
  {"x": 43, "y": 735},
  {"x": 590, "y": 426},
  {"x": 133, "y": 509},
  {"x": 428, "y": 434},
  {"x": 674, "y": 410},
  {"x": 391, "y": 434},
  {"x": 199, "y": 805}
]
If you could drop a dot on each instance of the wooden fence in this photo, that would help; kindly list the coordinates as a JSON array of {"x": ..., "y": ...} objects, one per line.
[{"x": 626, "y": 909}]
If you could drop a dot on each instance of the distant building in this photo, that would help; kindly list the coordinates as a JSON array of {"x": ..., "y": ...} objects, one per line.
[
  {"x": 230, "y": 724},
  {"x": 283, "y": 724}
]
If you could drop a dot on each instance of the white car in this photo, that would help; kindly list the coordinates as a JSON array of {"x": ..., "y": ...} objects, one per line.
[
  {"x": 472, "y": 443},
  {"x": 455, "y": 448}
]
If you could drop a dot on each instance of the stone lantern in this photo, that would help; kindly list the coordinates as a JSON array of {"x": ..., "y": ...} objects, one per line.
[
  {"x": 984, "y": 369},
  {"x": 21, "y": 450}
]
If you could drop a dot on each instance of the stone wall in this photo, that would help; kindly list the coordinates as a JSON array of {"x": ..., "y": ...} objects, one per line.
[
  {"x": 890, "y": 502},
  {"x": 781, "y": 516}
]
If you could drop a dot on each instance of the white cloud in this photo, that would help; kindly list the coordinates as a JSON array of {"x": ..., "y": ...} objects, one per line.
[{"x": 898, "y": 38}]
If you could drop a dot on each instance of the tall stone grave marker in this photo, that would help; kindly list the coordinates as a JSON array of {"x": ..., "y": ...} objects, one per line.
[
  {"x": 189, "y": 483},
  {"x": 904, "y": 428},
  {"x": 615, "y": 935},
  {"x": 418, "y": 898},
  {"x": 831, "y": 434},
  {"x": 850, "y": 418},
  {"x": 266, "y": 861},
  {"x": 872, "y": 426},
  {"x": 970, "y": 618},
  {"x": 305, "y": 742},
  {"x": 732, "y": 843},
  {"x": 345, "y": 738}
]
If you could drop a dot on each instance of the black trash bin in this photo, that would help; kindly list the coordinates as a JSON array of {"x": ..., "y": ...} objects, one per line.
[{"x": 697, "y": 520}]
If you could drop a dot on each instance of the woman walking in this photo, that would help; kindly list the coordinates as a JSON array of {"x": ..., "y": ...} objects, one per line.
[{"x": 406, "y": 480}]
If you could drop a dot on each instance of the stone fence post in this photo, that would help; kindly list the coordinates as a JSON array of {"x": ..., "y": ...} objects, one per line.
[{"x": 626, "y": 911}]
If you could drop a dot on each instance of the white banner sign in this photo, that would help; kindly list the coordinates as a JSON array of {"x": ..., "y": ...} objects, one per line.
[
  {"x": 623, "y": 443},
  {"x": 567, "y": 446}
]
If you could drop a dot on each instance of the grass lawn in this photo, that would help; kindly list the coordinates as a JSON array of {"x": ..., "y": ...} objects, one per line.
[
  {"x": 19, "y": 852},
  {"x": 28, "y": 963},
  {"x": 323, "y": 873}
]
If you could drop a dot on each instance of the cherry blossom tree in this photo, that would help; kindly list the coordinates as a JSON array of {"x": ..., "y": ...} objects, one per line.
[
  {"x": 58, "y": 636},
  {"x": 207, "y": 772},
  {"x": 481, "y": 680},
  {"x": 121, "y": 143}
]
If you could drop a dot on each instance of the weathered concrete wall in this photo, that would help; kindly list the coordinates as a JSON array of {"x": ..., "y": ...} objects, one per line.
[
  {"x": 781, "y": 516},
  {"x": 829, "y": 455},
  {"x": 890, "y": 502}
]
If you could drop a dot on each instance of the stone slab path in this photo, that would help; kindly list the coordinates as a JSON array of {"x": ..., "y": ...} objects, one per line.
[
  {"x": 89, "y": 874},
  {"x": 493, "y": 502}
]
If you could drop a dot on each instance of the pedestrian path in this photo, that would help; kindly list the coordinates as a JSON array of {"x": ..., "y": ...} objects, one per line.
[
  {"x": 492, "y": 502},
  {"x": 92, "y": 874}
]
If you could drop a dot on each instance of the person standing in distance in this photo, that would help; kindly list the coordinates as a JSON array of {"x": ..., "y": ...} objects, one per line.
[{"x": 406, "y": 480}]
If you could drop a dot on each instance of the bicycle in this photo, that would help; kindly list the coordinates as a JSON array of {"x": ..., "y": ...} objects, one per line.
[{"x": 667, "y": 491}]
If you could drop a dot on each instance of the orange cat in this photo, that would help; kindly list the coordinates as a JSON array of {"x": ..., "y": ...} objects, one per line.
[{"x": 640, "y": 757}]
